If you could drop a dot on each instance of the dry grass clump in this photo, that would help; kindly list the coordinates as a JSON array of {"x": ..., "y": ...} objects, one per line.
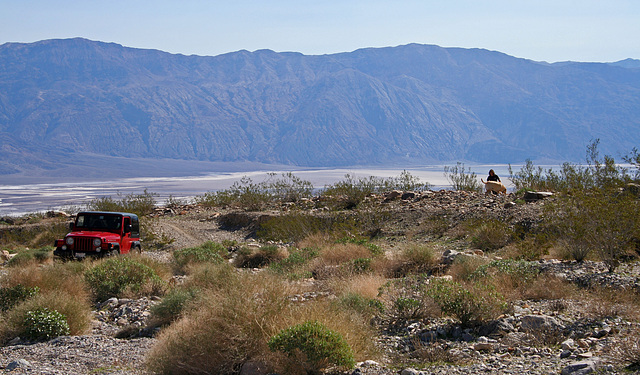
[
  {"x": 59, "y": 276},
  {"x": 603, "y": 302},
  {"x": 249, "y": 257},
  {"x": 366, "y": 285},
  {"x": 417, "y": 258},
  {"x": 60, "y": 287},
  {"x": 234, "y": 322},
  {"x": 77, "y": 313},
  {"x": 548, "y": 287},
  {"x": 627, "y": 352},
  {"x": 231, "y": 326},
  {"x": 464, "y": 266},
  {"x": 317, "y": 240},
  {"x": 336, "y": 254},
  {"x": 437, "y": 353}
]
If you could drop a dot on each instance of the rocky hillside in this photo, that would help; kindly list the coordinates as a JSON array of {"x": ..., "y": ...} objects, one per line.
[
  {"x": 62, "y": 101},
  {"x": 547, "y": 330}
]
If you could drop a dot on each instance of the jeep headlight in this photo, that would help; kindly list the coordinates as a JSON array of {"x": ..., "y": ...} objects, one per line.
[
  {"x": 69, "y": 241},
  {"x": 97, "y": 242}
]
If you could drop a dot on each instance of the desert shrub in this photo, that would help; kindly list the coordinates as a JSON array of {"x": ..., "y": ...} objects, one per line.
[
  {"x": 509, "y": 277},
  {"x": 249, "y": 195},
  {"x": 368, "y": 307},
  {"x": 139, "y": 204},
  {"x": 471, "y": 304},
  {"x": 33, "y": 236},
  {"x": 373, "y": 248},
  {"x": 256, "y": 258},
  {"x": 407, "y": 308},
  {"x": 11, "y": 296},
  {"x": 599, "y": 173},
  {"x": 352, "y": 191},
  {"x": 314, "y": 344},
  {"x": 464, "y": 266},
  {"x": 229, "y": 325},
  {"x": 66, "y": 277},
  {"x": 116, "y": 276},
  {"x": 297, "y": 264},
  {"x": 491, "y": 235},
  {"x": 357, "y": 266},
  {"x": 596, "y": 222},
  {"x": 209, "y": 251},
  {"x": 288, "y": 187},
  {"x": 25, "y": 256},
  {"x": 522, "y": 271},
  {"x": 633, "y": 158},
  {"x": 532, "y": 247},
  {"x": 418, "y": 258},
  {"x": 210, "y": 276},
  {"x": 627, "y": 351},
  {"x": 436, "y": 353},
  {"x": 605, "y": 302},
  {"x": 296, "y": 226},
  {"x": 337, "y": 254},
  {"x": 366, "y": 285},
  {"x": 76, "y": 310},
  {"x": 461, "y": 180},
  {"x": 529, "y": 177},
  {"x": 405, "y": 298},
  {"x": 172, "y": 305},
  {"x": 44, "y": 324}
]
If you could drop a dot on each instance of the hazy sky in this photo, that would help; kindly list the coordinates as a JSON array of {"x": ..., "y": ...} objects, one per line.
[{"x": 544, "y": 30}]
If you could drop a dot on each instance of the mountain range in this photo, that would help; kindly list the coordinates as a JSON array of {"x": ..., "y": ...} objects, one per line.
[{"x": 68, "y": 100}]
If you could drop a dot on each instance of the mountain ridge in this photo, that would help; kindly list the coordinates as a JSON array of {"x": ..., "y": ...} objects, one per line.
[{"x": 411, "y": 104}]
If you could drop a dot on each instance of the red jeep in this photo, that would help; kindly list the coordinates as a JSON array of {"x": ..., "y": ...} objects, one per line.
[{"x": 98, "y": 234}]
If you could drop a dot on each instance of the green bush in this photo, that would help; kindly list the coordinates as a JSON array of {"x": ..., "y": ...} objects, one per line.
[
  {"x": 208, "y": 252},
  {"x": 461, "y": 180},
  {"x": 407, "y": 308},
  {"x": 491, "y": 235},
  {"x": 29, "y": 255},
  {"x": 601, "y": 222},
  {"x": 139, "y": 204},
  {"x": 352, "y": 191},
  {"x": 251, "y": 196},
  {"x": 418, "y": 258},
  {"x": 173, "y": 304},
  {"x": 314, "y": 344},
  {"x": 470, "y": 306},
  {"x": 368, "y": 307},
  {"x": 11, "y": 296},
  {"x": 375, "y": 249},
  {"x": 115, "y": 276},
  {"x": 358, "y": 266},
  {"x": 522, "y": 271},
  {"x": 295, "y": 266},
  {"x": 599, "y": 174},
  {"x": 44, "y": 324}
]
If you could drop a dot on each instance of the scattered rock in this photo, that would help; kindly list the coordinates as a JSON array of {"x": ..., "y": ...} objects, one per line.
[{"x": 582, "y": 368}]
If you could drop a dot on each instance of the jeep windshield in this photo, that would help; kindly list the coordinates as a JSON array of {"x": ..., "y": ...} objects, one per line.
[{"x": 99, "y": 222}]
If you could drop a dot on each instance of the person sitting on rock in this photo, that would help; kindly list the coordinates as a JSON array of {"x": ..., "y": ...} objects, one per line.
[{"x": 493, "y": 176}]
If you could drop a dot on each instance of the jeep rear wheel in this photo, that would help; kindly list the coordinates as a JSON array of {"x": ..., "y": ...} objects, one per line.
[{"x": 138, "y": 249}]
